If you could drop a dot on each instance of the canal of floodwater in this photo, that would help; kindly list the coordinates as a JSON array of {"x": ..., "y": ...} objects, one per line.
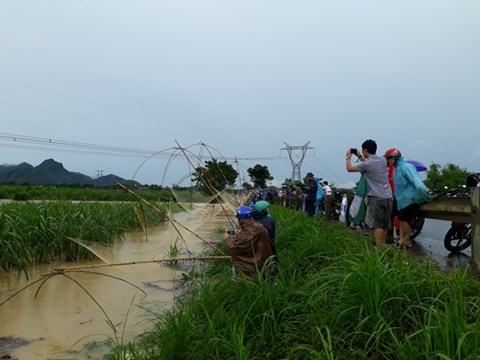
[{"x": 74, "y": 318}]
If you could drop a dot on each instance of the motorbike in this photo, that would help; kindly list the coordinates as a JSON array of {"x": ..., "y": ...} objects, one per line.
[{"x": 459, "y": 236}]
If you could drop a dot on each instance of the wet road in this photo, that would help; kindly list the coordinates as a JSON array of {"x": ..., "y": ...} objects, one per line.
[{"x": 429, "y": 243}]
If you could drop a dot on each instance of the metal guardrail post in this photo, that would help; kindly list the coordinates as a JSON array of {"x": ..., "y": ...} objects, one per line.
[
  {"x": 328, "y": 206},
  {"x": 475, "y": 197}
]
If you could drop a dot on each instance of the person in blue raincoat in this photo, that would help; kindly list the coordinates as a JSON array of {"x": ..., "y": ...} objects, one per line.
[
  {"x": 320, "y": 195},
  {"x": 409, "y": 191}
]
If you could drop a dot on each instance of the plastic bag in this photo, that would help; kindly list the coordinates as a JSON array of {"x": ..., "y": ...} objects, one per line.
[
  {"x": 343, "y": 209},
  {"x": 355, "y": 206}
]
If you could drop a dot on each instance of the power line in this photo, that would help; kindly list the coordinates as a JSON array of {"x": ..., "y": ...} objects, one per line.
[
  {"x": 77, "y": 151},
  {"x": 77, "y": 98},
  {"x": 74, "y": 116},
  {"x": 39, "y": 143},
  {"x": 70, "y": 144},
  {"x": 334, "y": 174},
  {"x": 84, "y": 101},
  {"x": 95, "y": 120}
]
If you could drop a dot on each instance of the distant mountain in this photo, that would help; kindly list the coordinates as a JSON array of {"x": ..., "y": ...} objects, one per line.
[{"x": 51, "y": 172}]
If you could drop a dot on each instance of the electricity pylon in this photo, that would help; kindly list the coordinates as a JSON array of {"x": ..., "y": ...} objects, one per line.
[{"x": 296, "y": 164}]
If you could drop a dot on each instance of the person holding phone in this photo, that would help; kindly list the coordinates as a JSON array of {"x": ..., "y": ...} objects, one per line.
[{"x": 379, "y": 197}]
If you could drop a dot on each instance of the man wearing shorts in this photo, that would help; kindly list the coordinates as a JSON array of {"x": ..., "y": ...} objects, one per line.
[{"x": 379, "y": 198}]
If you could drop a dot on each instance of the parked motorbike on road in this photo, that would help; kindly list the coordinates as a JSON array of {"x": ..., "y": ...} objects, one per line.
[{"x": 459, "y": 236}]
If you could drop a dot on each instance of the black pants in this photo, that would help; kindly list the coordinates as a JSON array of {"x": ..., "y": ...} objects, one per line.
[{"x": 310, "y": 206}]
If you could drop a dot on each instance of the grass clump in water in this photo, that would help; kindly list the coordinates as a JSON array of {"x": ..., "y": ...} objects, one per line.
[
  {"x": 335, "y": 297},
  {"x": 41, "y": 232}
]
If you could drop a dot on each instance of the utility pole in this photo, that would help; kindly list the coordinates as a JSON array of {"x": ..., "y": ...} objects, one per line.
[
  {"x": 99, "y": 173},
  {"x": 296, "y": 164},
  {"x": 240, "y": 179}
]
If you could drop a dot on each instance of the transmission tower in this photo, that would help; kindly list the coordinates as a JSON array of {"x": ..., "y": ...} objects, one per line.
[
  {"x": 241, "y": 179},
  {"x": 296, "y": 164}
]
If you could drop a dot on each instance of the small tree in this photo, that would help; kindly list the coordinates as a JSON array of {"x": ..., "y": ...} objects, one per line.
[
  {"x": 259, "y": 175},
  {"x": 247, "y": 186},
  {"x": 214, "y": 176},
  {"x": 450, "y": 176}
]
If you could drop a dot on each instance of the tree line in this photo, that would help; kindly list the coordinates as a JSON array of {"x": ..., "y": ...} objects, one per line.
[{"x": 220, "y": 175}]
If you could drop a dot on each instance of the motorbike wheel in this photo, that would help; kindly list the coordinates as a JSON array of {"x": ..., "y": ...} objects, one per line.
[
  {"x": 458, "y": 238},
  {"x": 416, "y": 226}
]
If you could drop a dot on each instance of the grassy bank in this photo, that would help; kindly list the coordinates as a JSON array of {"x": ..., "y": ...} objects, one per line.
[
  {"x": 336, "y": 297},
  {"x": 32, "y": 233}
]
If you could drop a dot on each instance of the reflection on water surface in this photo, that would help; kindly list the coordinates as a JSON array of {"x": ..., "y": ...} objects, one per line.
[{"x": 63, "y": 322}]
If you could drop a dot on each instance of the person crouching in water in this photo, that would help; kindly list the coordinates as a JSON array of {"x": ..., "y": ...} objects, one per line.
[{"x": 250, "y": 245}]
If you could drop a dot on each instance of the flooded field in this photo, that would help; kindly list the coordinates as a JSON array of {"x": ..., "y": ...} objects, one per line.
[{"x": 80, "y": 314}]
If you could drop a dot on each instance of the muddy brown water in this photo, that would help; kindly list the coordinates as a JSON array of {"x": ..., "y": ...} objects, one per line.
[{"x": 63, "y": 322}]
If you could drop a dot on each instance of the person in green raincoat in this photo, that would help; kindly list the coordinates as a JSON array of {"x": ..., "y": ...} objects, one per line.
[{"x": 358, "y": 207}]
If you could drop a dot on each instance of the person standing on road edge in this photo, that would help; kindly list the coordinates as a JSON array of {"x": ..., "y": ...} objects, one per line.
[
  {"x": 379, "y": 198},
  {"x": 410, "y": 192},
  {"x": 328, "y": 200},
  {"x": 320, "y": 196},
  {"x": 310, "y": 188}
]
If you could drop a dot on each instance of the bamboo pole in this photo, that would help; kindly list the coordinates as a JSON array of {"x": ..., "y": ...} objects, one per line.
[
  {"x": 209, "y": 186},
  {"x": 170, "y": 218},
  {"x": 192, "y": 258}
]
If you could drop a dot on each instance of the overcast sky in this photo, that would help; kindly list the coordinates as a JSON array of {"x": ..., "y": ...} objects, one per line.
[{"x": 246, "y": 78}]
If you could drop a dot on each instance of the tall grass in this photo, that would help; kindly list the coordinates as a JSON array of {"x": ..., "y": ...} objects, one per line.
[
  {"x": 33, "y": 233},
  {"x": 335, "y": 297},
  {"x": 81, "y": 193}
]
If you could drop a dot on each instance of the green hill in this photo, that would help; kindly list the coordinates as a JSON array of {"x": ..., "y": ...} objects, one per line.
[{"x": 51, "y": 172}]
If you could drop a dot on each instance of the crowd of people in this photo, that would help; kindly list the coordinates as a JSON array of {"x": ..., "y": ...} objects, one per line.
[
  {"x": 252, "y": 245},
  {"x": 312, "y": 197},
  {"x": 392, "y": 189}
]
